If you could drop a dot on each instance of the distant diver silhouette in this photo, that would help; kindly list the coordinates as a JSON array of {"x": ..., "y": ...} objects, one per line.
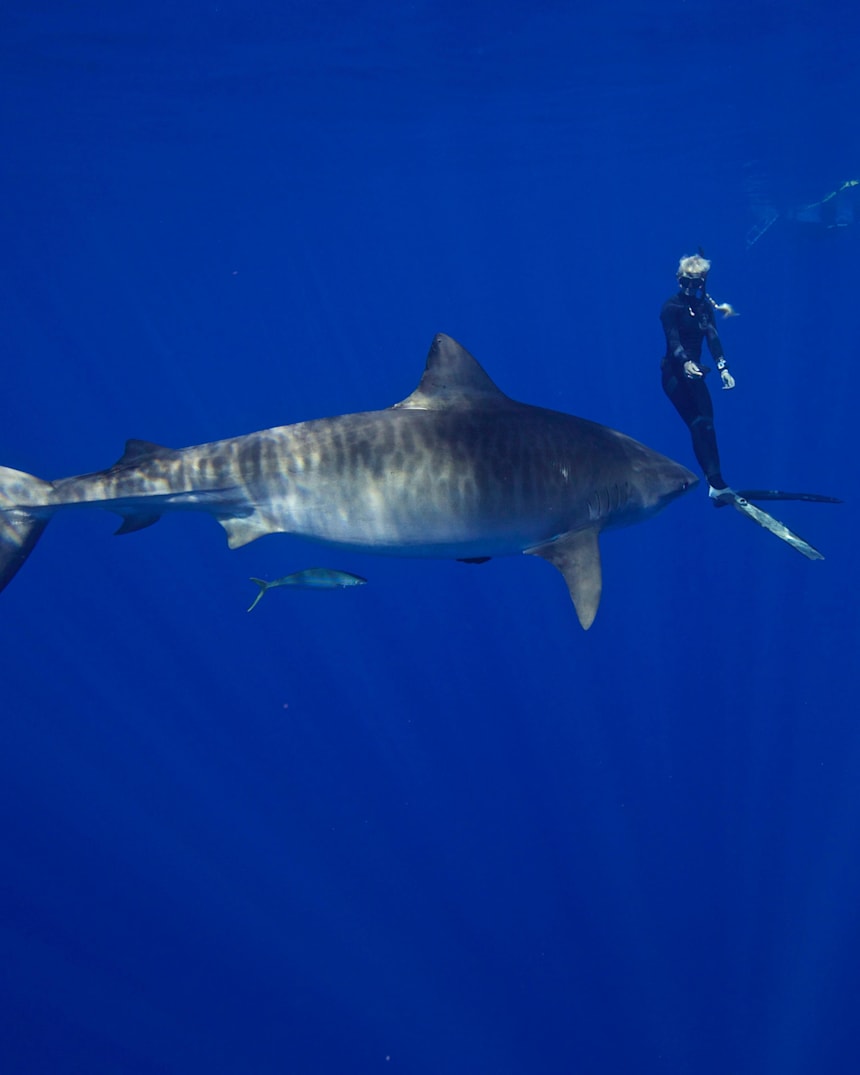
[{"x": 838, "y": 209}]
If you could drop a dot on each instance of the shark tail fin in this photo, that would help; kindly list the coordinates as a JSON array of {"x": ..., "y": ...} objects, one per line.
[
  {"x": 263, "y": 587},
  {"x": 24, "y": 514}
]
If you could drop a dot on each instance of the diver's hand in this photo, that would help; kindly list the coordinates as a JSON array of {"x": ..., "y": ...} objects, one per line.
[
  {"x": 693, "y": 369},
  {"x": 726, "y": 378}
]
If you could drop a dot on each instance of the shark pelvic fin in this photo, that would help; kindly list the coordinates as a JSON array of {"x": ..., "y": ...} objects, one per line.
[
  {"x": 577, "y": 557},
  {"x": 453, "y": 380}
]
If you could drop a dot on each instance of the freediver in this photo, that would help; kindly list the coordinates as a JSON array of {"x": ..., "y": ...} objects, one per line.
[{"x": 688, "y": 320}]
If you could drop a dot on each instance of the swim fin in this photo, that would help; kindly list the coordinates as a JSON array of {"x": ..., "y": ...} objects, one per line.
[
  {"x": 780, "y": 494},
  {"x": 775, "y": 526}
]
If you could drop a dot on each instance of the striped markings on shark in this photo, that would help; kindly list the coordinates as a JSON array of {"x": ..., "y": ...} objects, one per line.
[{"x": 457, "y": 470}]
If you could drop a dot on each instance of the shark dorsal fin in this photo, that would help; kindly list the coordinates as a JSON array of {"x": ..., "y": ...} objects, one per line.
[
  {"x": 136, "y": 451},
  {"x": 453, "y": 379}
]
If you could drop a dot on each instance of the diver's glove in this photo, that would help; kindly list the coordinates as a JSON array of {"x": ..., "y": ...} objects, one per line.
[
  {"x": 693, "y": 370},
  {"x": 725, "y": 376}
]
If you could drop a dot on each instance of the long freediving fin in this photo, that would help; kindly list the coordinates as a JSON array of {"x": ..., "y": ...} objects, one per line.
[
  {"x": 775, "y": 527},
  {"x": 781, "y": 494}
]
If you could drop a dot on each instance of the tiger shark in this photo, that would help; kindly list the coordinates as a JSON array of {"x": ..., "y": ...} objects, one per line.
[{"x": 457, "y": 470}]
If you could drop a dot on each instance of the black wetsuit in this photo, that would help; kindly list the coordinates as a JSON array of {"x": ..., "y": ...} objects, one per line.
[{"x": 687, "y": 322}]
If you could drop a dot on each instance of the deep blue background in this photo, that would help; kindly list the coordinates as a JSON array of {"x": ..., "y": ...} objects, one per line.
[{"x": 428, "y": 825}]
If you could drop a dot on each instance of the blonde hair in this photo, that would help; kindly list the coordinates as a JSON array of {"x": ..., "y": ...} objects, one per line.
[{"x": 693, "y": 265}]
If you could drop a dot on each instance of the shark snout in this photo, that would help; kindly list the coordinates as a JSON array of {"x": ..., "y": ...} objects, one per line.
[
  {"x": 678, "y": 482},
  {"x": 664, "y": 482}
]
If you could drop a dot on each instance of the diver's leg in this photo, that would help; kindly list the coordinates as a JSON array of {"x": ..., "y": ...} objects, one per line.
[
  {"x": 692, "y": 400},
  {"x": 704, "y": 435}
]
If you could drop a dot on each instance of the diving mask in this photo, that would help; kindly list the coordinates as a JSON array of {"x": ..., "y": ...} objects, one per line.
[{"x": 692, "y": 286}]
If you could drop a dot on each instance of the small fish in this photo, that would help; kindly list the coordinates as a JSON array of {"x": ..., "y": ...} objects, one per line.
[{"x": 312, "y": 578}]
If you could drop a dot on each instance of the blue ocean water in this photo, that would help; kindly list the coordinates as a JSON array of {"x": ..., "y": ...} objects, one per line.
[{"x": 428, "y": 825}]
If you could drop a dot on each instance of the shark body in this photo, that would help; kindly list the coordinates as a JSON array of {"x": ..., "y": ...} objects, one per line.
[{"x": 457, "y": 470}]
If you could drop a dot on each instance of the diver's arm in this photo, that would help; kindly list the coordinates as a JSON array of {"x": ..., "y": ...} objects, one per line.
[
  {"x": 669, "y": 319},
  {"x": 715, "y": 346}
]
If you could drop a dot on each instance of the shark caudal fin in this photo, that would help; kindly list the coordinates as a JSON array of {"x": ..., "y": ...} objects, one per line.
[
  {"x": 23, "y": 517},
  {"x": 263, "y": 587}
]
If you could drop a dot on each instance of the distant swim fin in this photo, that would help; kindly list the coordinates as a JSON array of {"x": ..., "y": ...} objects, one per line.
[
  {"x": 780, "y": 494},
  {"x": 775, "y": 527},
  {"x": 757, "y": 230}
]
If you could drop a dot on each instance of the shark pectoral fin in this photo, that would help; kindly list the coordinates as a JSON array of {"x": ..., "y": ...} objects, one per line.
[{"x": 577, "y": 557}]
